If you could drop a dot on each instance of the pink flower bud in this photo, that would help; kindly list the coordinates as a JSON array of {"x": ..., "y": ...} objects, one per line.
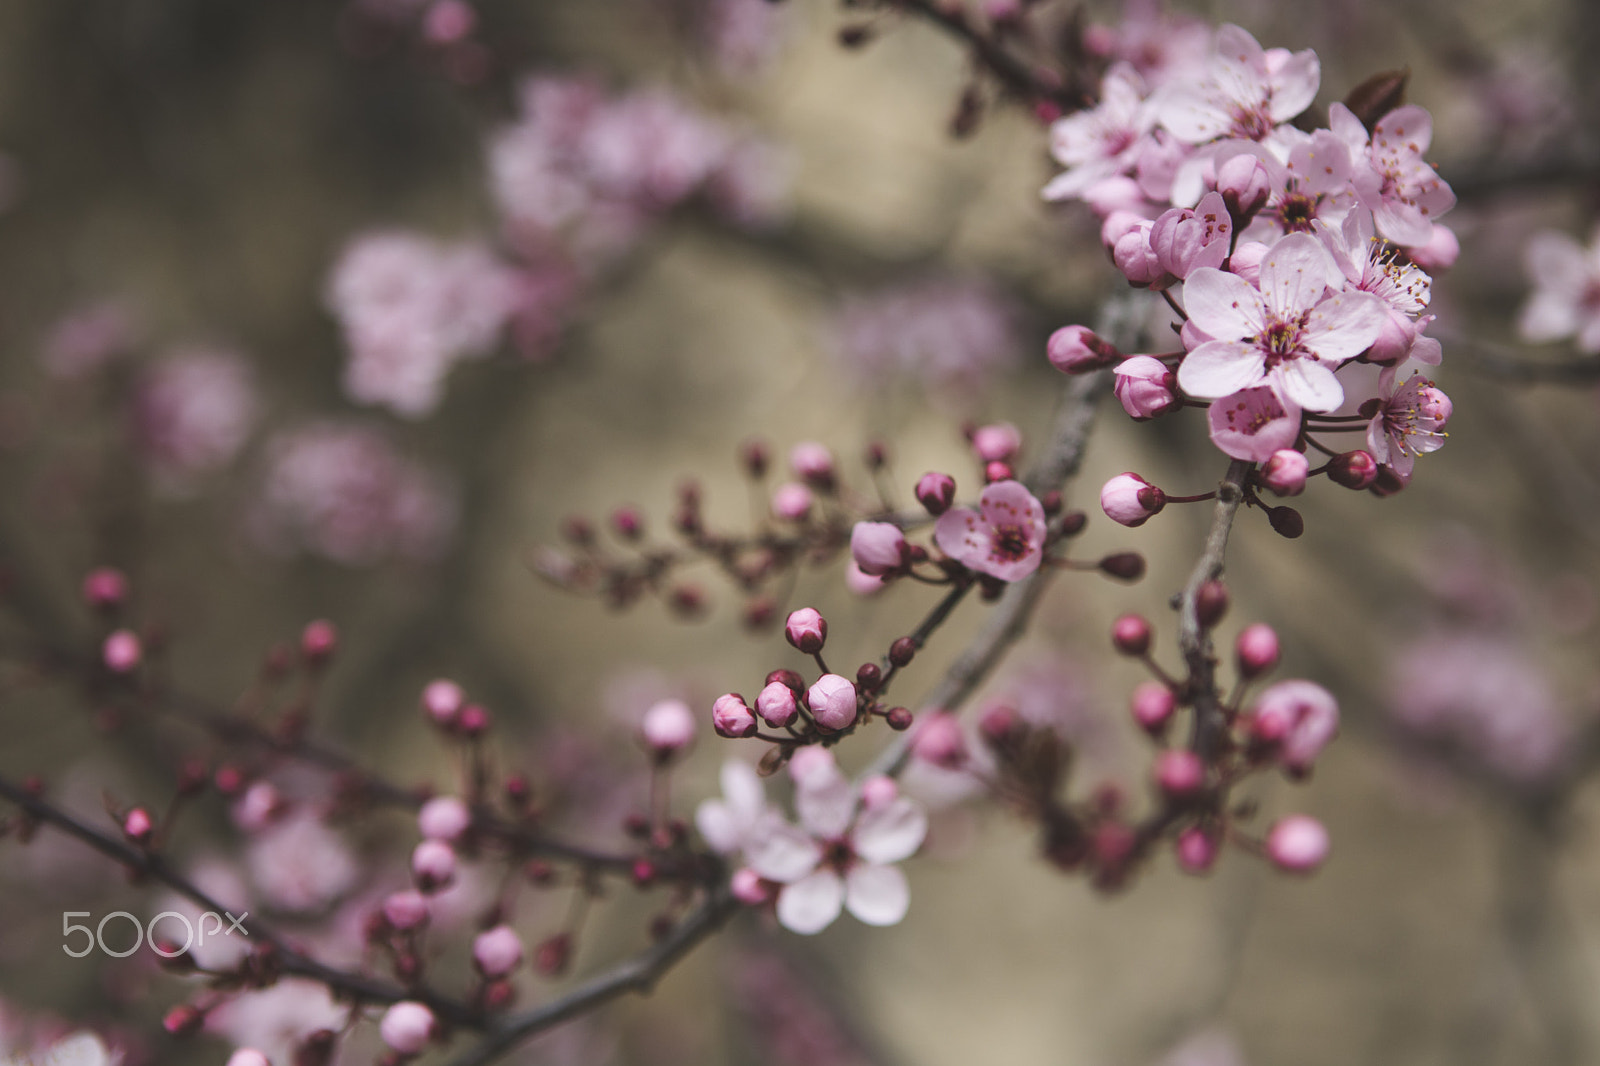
[
  {"x": 318, "y": 641},
  {"x": 997, "y": 470},
  {"x": 1301, "y": 717},
  {"x": 1245, "y": 186},
  {"x": 1185, "y": 240},
  {"x": 1246, "y": 260},
  {"x": 996, "y": 443},
  {"x": 497, "y": 951},
  {"x": 1116, "y": 223},
  {"x": 443, "y": 818},
  {"x": 860, "y": 582},
  {"x": 1285, "y": 472},
  {"x": 183, "y": 1020},
  {"x": 1297, "y": 844},
  {"x": 405, "y": 910},
  {"x": 433, "y": 865},
  {"x": 121, "y": 652},
  {"x": 936, "y": 492},
  {"x": 777, "y": 704},
  {"x": 939, "y": 740},
  {"x": 791, "y": 501},
  {"x": 137, "y": 825},
  {"x": 878, "y": 791},
  {"x": 256, "y": 809},
  {"x": 1136, "y": 259},
  {"x": 1179, "y": 773},
  {"x": 731, "y": 717},
  {"x": 248, "y": 1056},
  {"x": 104, "y": 588},
  {"x": 1197, "y": 850},
  {"x": 407, "y": 1027},
  {"x": 878, "y": 548},
  {"x": 1353, "y": 470},
  {"x": 1130, "y": 634},
  {"x": 1116, "y": 196},
  {"x": 813, "y": 464},
  {"x": 748, "y": 888},
  {"x": 1077, "y": 350},
  {"x": 1146, "y": 387},
  {"x": 806, "y": 630},
  {"x": 1257, "y": 650},
  {"x": 473, "y": 721},
  {"x": 832, "y": 701},
  {"x": 1130, "y": 499},
  {"x": 1152, "y": 704},
  {"x": 667, "y": 727},
  {"x": 442, "y": 701}
]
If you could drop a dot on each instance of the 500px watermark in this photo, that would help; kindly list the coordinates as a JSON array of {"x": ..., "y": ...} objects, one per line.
[{"x": 166, "y": 948}]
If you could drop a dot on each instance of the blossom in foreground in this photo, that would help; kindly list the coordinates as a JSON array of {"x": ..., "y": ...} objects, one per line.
[
  {"x": 1409, "y": 423},
  {"x": 1245, "y": 91},
  {"x": 1566, "y": 294},
  {"x": 1004, "y": 538}
]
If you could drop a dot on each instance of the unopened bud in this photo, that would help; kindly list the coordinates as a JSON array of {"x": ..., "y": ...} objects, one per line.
[
  {"x": 1257, "y": 650},
  {"x": 1130, "y": 634},
  {"x": 1353, "y": 470}
]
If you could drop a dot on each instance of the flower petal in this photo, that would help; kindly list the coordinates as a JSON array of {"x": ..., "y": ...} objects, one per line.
[
  {"x": 719, "y": 826},
  {"x": 1295, "y": 273},
  {"x": 781, "y": 852},
  {"x": 1253, "y": 424},
  {"x": 1221, "y": 368},
  {"x": 810, "y": 905},
  {"x": 891, "y": 832},
  {"x": 741, "y": 785},
  {"x": 1309, "y": 384},
  {"x": 825, "y": 811},
  {"x": 1223, "y": 306},
  {"x": 877, "y": 895},
  {"x": 1345, "y": 325}
]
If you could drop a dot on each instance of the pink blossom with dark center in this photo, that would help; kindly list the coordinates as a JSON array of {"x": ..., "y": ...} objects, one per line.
[
  {"x": 1391, "y": 179},
  {"x": 1103, "y": 141},
  {"x": 1410, "y": 423},
  {"x": 1253, "y": 424},
  {"x": 1290, "y": 333},
  {"x": 1004, "y": 538},
  {"x": 1245, "y": 92}
]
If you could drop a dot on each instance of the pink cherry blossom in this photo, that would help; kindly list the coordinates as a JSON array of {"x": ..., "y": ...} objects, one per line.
[
  {"x": 1185, "y": 239},
  {"x": 727, "y": 823},
  {"x": 193, "y": 411},
  {"x": 1391, "y": 179},
  {"x": 1300, "y": 717},
  {"x": 1103, "y": 141},
  {"x": 1253, "y": 423},
  {"x": 1566, "y": 294},
  {"x": 1312, "y": 185},
  {"x": 1004, "y": 538},
  {"x": 299, "y": 864},
  {"x": 1146, "y": 387},
  {"x": 839, "y": 857},
  {"x": 1289, "y": 334},
  {"x": 1409, "y": 423},
  {"x": 1244, "y": 92}
]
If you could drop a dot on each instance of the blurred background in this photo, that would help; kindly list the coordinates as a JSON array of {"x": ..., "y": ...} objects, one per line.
[{"x": 306, "y": 320}]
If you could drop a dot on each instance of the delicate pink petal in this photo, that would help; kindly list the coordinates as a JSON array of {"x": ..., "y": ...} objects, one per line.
[
  {"x": 877, "y": 895},
  {"x": 1309, "y": 384},
  {"x": 1408, "y": 130},
  {"x": 890, "y": 833},
  {"x": 810, "y": 905},
  {"x": 1240, "y": 66},
  {"x": 1223, "y": 306},
  {"x": 741, "y": 786},
  {"x": 1343, "y": 326},
  {"x": 1322, "y": 164},
  {"x": 779, "y": 851},
  {"x": 826, "y": 811},
  {"x": 1294, "y": 85},
  {"x": 1221, "y": 368},
  {"x": 1404, "y": 224},
  {"x": 720, "y": 827},
  {"x": 1295, "y": 273},
  {"x": 1253, "y": 424},
  {"x": 1555, "y": 261},
  {"x": 1191, "y": 115},
  {"x": 1548, "y": 316}
]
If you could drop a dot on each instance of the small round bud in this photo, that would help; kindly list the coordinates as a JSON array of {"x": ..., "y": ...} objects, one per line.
[
  {"x": 999, "y": 442},
  {"x": 686, "y": 601},
  {"x": 1073, "y": 523},
  {"x": 627, "y": 523},
  {"x": 229, "y": 779},
  {"x": 899, "y": 719},
  {"x": 1245, "y": 186},
  {"x": 121, "y": 652},
  {"x": 405, "y": 910},
  {"x": 551, "y": 957},
  {"x": 755, "y": 457},
  {"x": 1146, "y": 387},
  {"x": 787, "y": 677},
  {"x": 433, "y": 865},
  {"x": 442, "y": 700},
  {"x": 443, "y": 818},
  {"x": 1130, "y": 500},
  {"x": 318, "y": 641},
  {"x": 137, "y": 826},
  {"x": 1286, "y": 521},
  {"x": 642, "y": 873},
  {"x": 936, "y": 492},
  {"x": 496, "y": 952},
  {"x": 104, "y": 588},
  {"x": 183, "y": 1020},
  {"x": 731, "y": 717},
  {"x": 759, "y": 613},
  {"x": 1284, "y": 472},
  {"x": 407, "y": 1027},
  {"x": 1130, "y": 634},
  {"x": 791, "y": 501},
  {"x": 832, "y": 700},
  {"x": 667, "y": 727},
  {"x": 902, "y": 651},
  {"x": 878, "y": 791},
  {"x": 1153, "y": 705},
  {"x": 1211, "y": 603},
  {"x": 1197, "y": 850},
  {"x": 806, "y": 630},
  {"x": 869, "y": 676},
  {"x": 1300, "y": 718},
  {"x": 1257, "y": 650},
  {"x": 999, "y": 724},
  {"x": 473, "y": 721},
  {"x": 1077, "y": 350},
  {"x": 939, "y": 740},
  {"x": 877, "y": 456},
  {"x": 1353, "y": 470},
  {"x": 748, "y": 888},
  {"x": 1124, "y": 566},
  {"x": 878, "y": 548},
  {"x": 1051, "y": 503},
  {"x": 813, "y": 464},
  {"x": 777, "y": 704},
  {"x": 998, "y": 470},
  {"x": 1180, "y": 774},
  {"x": 1297, "y": 844}
]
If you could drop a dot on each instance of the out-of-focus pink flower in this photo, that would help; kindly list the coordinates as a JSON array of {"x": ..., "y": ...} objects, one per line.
[
  {"x": 444, "y": 818},
  {"x": 341, "y": 491},
  {"x": 948, "y": 333},
  {"x": 1004, "y": 538},
  {"x": 1566, "y": 294},
  {"x": 277, "y": 1019},
  {"x": 498, "y": 951},
  {"x": 193, "y": 411},
  {"x": 88, "y": 339},
  {"x": 1103, "y": 141},
  {"x": 1299, "y": 717},
  {"x": 668, "y": 726},
  {"x": 727, "y": 823},
  {"x": 1244, "y": 92},
  {"x": 300, "y": 865},
  {"x": 407, "y": 1027},
  {"x": 1297, "y": 844},
  {"x": 878, "y": 548}
]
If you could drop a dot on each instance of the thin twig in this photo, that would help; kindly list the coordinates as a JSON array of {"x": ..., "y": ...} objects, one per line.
[{"x": 1193, "y": 638}]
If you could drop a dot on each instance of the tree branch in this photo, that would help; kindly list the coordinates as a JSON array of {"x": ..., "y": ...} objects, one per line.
[{"x": 1193, "y": 638}]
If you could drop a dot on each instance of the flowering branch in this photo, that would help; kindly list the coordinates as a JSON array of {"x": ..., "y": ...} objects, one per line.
[{"x": 1193, "y": 633}]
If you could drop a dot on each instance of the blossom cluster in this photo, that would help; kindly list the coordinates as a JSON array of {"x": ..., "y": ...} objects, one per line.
[{"x": 1298, "y": 262}]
